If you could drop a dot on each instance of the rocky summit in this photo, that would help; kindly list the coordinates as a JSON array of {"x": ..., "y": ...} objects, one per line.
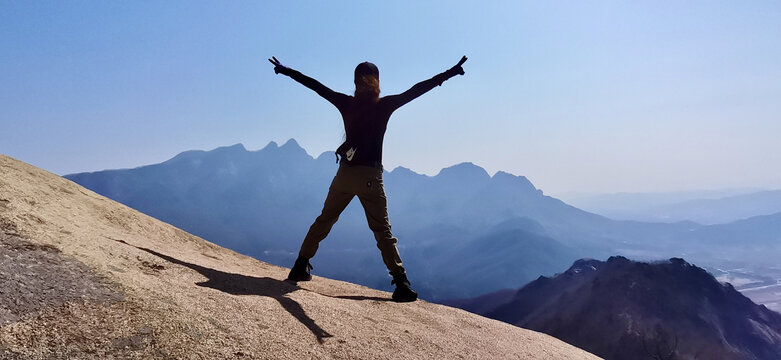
[{"x": 623, "y": 309}]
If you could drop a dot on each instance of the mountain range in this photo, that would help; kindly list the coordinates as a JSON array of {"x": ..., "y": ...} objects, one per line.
[
  {"x": 714, "y": 207},
  {"x": 462, "y": 233},
  {"x": 622, "y": 309},
  {"x": 84, "y": 277}
]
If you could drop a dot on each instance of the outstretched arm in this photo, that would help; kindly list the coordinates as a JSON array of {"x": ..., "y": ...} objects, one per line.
[
  {"x": 426, "y": 85},
  {"x": 332, "y": 96}
]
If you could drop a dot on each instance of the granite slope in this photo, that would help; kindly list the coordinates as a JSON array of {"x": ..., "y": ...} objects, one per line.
[{"x": 82, "y": 276}]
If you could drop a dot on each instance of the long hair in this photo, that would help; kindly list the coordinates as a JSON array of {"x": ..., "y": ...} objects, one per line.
[{"x": 367, "y": 87}]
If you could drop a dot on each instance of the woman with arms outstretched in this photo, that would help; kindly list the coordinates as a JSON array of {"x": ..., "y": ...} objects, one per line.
[{"x": 365, "y": 117}]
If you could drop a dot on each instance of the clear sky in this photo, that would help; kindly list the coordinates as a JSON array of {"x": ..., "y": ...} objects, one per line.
[{"x": 589, "y": 96}]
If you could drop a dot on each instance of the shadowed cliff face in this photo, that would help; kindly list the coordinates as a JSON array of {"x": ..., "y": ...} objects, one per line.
[
  {"x": 622, "y": 309},
  {"x": 84, "y": 277}
]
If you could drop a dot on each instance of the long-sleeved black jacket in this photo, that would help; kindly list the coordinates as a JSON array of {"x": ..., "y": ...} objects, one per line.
[{"x": 364, "y": 121}]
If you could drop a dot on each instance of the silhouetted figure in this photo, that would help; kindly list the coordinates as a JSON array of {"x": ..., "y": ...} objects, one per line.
[{"x": 365, "y": 117}]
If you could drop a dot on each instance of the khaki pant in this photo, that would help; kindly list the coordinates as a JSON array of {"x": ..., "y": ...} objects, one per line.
[{"x": 366, "y": 183}]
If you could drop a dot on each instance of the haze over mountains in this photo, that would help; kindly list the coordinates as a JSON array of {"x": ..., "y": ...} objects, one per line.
[
  {"x": 462, "y": 233},
  {"x": 704, "y": 207},
  {"x": 261, "y": 203},
  {"x": 621, "y": 309}
]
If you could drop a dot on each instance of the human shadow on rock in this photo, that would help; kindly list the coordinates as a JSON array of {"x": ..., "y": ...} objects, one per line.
[{"x": 237, "y": 284}]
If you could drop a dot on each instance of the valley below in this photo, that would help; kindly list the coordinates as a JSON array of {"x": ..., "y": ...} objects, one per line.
[{"x": 762, "y": 287}]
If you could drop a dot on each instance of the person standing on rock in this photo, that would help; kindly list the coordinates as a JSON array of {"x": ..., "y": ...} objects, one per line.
[{"x": 365, "y": 116}]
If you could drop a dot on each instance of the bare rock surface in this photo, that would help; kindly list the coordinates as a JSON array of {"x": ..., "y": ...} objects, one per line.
[
  {"x": 84, "y": 277},
  {"x": 34, "y": 277}
]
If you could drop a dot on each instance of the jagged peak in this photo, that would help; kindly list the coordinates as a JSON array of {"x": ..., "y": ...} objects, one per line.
[
  {"x": 272, "y": 145},
  {"x": 618, "y": 259},
  {"x": 644, "y": 295},
  {"x": 291, "y": 143},
  {"x": 288, "y": 148},
  {"x": 585, "y": 265},
  {"x": 291, "y": 148},
  {"x": 586, "y": 262},
  {"x": 679, "y": 262}
]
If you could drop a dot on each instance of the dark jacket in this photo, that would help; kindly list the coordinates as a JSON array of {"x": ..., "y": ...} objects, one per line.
[{"x": 365, "y": 121}]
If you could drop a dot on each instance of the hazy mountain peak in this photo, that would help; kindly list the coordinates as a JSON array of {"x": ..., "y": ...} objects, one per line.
[
  {"x": 291, "y": 143},
  {"x": 505, "y": 178},
  {"x": 464, "y": 170},
  {"x": 401, "y": 170},
  {"x": 189, "y": 155},
  {"x": 292, "y": 148},
  {"x": 272, "y": 145},
  {"x": 196, "y": 156},
  {"x": 235, "y": 147}
]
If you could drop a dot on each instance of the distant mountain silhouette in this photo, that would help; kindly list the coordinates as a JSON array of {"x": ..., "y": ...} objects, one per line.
[
  {"x": 757, "y": 230},
  {"x": 261, "y": 203},
  {"x": 701, "y": 207},
  {"x": 238, "y": 198},
  {"x": 621, "y": 309},
  {"x": 502, "y": 230}
]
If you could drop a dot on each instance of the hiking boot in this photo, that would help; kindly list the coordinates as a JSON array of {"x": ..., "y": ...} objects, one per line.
[
  {"x": 403, "y": 292},
  {"x": 300, "y": 270}
]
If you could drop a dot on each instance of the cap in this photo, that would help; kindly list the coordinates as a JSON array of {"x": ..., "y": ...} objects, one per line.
[{"x": 366, "y": 68}]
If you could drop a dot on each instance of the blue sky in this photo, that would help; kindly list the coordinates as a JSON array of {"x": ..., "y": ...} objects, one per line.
[{"x": 577, "y": 96}]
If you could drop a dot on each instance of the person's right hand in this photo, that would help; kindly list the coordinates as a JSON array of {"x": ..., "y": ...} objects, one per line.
[
  {"x": 458, "y": 69},
  {"x": 278, "y": 67}
]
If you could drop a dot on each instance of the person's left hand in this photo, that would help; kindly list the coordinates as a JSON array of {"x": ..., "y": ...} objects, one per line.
[{"x": 278, "y": 67}]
